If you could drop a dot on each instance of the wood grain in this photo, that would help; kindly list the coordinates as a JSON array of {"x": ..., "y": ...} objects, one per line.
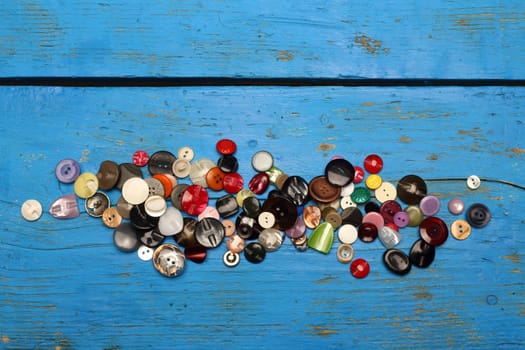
[{"x": 64, "y": 285}]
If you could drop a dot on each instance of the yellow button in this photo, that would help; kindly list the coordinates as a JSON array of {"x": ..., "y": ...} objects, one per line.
[
  {"x": 373, "y": 181},
  {"x": 86, "y": 185},
  {"x": 460, "y": 229}
]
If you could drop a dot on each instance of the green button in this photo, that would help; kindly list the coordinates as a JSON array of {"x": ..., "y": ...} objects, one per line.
[
  {"x": 360, "y": 195},
  {"x": 322, "y": 238},
  {"x": 415, "y": 215}
]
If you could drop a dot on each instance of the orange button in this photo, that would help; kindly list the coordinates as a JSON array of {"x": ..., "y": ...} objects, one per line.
[
  {"x": 166, "y": 183},
  {"x": 215, "y": 179}
]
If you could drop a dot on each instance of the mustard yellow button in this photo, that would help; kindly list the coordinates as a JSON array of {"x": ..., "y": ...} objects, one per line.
[
  {"x": 460, "y": 229},
  {"x": 86, "y": 185},
  {"x": 373, "y": 181}
]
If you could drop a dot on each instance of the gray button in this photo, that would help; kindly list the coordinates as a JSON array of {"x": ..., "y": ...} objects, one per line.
[
  {"x": 209, "y": 232},
  {"x": 271, "y": 239},
  {"x": 96, "y": 204}
]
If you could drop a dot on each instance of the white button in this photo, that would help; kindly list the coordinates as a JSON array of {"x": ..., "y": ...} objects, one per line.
[
  {"x": 31, "y": 210},
  {"x": 266, "y": 219},
  {"x": 171, "y": 222},
  {"x": 199, "y": 169},
  {"x": 145, "y": 253},
  {"x": 262, "y": 161},
  {"x": 135, "y": 190},
  {"x": 155, "y": 206},
  {"x": 386, "y": 192},
  {"x": 186, "y": 153},
  {"x": 473, "y": 182},
  {"x": 231, "y": 259},
  {"x": 347, "y": 234},
  {"x": 347, "y": 202},
  {"x": 181, "y": 168},
  {"x": 347, "y": 190}
]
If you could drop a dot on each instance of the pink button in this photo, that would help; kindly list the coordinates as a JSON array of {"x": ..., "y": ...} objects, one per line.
[
  {"x": 456, "y": 206},
  {"x": 375, "y": 218}
]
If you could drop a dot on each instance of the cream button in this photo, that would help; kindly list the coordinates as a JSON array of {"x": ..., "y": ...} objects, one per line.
[
  {"x": 86, "y": 185},
  {"x": 181, "y": 168},
  {"x": 262, "y": 161},
  {"x": 31, "y": 210},
  {"x": 386, "y": 192},
  {"x": 186, "y": 153},
  {"x": 347, "y": 202},
  {"x": 345, "y": 253},
  {"x": 473, "y": 182},
  {"x": 347, "y": 234},
  {"x": 145, "y": 253},
  {"x": 198, "y": 171},
  {"x": 155, "y": 206},
  {"x": 266, "y": 219},
  {"x": 460, "y": 229},
  {"x": 135, "y": 190},
  {"x": 347, "y": 190}
]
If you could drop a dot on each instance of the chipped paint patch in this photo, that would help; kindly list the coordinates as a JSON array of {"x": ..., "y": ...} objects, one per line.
[
  {"x": 372, "y": 46},
  {"x": 84, "y": 157},
  {"x": 405, "y": 139},
  {"x": 497, "y": 198},
  {"x": 324, "y": 280},
  {"x": 516, "y": 271},
  {"x": 323, "y": 147},
  {"x": 322, "y": 331},
  {"x": 517, "y": 150},
  {"x": 367, "y": 104},
  {"x": 515, "y": 258},
  {"x": 285, "y": 56},
  {"x": 423, "y": 294},
  {"x": 5, "y": 339},
  {"x": 270, "y": 135},
  {"x": 433, "y": 156}
]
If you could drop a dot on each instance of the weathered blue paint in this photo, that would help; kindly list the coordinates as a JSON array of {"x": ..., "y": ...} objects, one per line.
[
  {"x": 311, "y": 38},
  {"x": 63, "y": 284}
]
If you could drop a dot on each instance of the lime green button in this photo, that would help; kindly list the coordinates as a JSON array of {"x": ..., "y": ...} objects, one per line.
[{"x": 322, "y": 238}]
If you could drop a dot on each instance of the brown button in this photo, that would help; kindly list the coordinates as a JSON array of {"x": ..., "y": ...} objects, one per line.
[
  {"x": 215, "y": 179},
  {"x": 299, "y": 241},
  {"x": 111, "y": 217},
  {"x": 280, "y": 180},
  {"x": 460, "y": 229},
  {"x": 411, "y": 189},
  {"x": 108, "y": 174},
  {"x": 312, "y": 216},
  {"x": 331, "y": 215},
  {"x": 169, "y": 260},
  {"x": 127, "y": 171},
  {"x": 323, "y": 191},
  {"x": 235, "y": 244}
]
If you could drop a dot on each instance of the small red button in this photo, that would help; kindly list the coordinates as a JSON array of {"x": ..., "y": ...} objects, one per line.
[
  {"x": 194, "y": 200},
  {"x": 259, "y": 183},
  {"x": 226, "y": 146},
  {"x": 359, "y": 174},
  {"x": 359, "y": 268},
  {"x": 233, "y": 182},
  {"x": 373, "y": 163},
  {"x": 140, "y": 158}
]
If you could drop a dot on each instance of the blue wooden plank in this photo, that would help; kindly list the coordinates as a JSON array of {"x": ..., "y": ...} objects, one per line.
[
  {"x": 63, "y": 284},
  {"x": 388, "y": 39}
]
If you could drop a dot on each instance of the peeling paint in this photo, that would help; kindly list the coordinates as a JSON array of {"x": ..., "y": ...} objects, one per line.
[
  {"x": 515, "y": 258},
  {"x": 325, "y": 147},
  {"x": 322, "y": 331},
  {"x": 372, "y": 46},
  {"x": 433, "y": 156},
  {"x": 367, "y": 104},
  {"x": 5, "y": 339},
  {"x": 405, "y": 139},
  {"x": 84, "y": 158},
  {"x": 517, "y": 150},
  {"x": 325, "y": 280},
  {"x": 285, "y": 56}
]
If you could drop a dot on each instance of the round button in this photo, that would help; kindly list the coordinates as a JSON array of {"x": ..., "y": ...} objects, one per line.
[
  {"x": 181, "y": 168},
  {"x": 176, "y": 195},
  {"x": 151, "y": 238},
  {"x": 235, "y": 244},
  {"x": 430, "y": 205},
  {"x": 215, "y": 179},
  {"x": 233, "y": 182},
  {"x": 226, "y": 146},
  {"x": 124, "y": 208},
  {"x": 367, "y": 232},
  {"x": 401, "y": 219},
  {"x": 171, "y": 222},
  {"x": 271, "y": 239},
  {"x": 155, "y": 206},
  {"x": 31, "y": 210},
  {"x": 161, "y": 162},
  {"x": 387, "y": 191},
  {"x": 352, "y": 216},
  {"x": 242, "y": 195},
  {"x": 347, "y": 234},
  {"x": 262, "y": 161},
  {"x": 231, "y": 259},
  {"x": 339, "y": 172},
  {"x": 323, "y": 191},
  {"x": 345, "y": 253},
  {"x": 374, "y": 218},
  {"x": 373, "y": 163},
  {"x": 297, "y": 189},
  {"x": 186, "y": 236},
  {"x": 199, "y": 169},
  {"x": 389, "y": 209},
  {"x": 422, "y": 254},
  {"x": 111, "y": 217},
  {"x": 473, "y": 182},
  {"x": 135, "y": 190},
  {"x": 167, "y": 184},
  {"x": 373, "y": 182},
  {"x": 194, "y": 199},
  {"x": 297, "y": 230},
  {"x": 145, "y": 253},
  {"x": 433, "y": 231},
  {"x": 186, "y": 153},
  {"x": 347, "y": 202},
  {"x": 254, "y": 253},
  {"x": 209, "y": 232},
  {"x": 169, "y": 260},
  {"x": 360, "y": 268},
  {"x": 460, "y": 229},
  {"x": 125, "y": 238},
  {"x": 86, "y": 185},
  {"x": 228, "y": 164},
  {"x": 155, "y": 186},
  {"x": 478, "y": 215},
  {"x": 140, "y": 158},
  {"x": 415, "y": 215},
  {"x": 108, "y": 175},
  {"x": 67, "y": 170},
  {"x": 411, "y": 189},
  {"x": 284, "y": 211},
  {"x": 359, "y": 174},
  {"x": 397, "y": 261},
  {"x": 347, "y": 190},
  {"x": 279, "y": 180},
  {"x": 360, "y": 195},
  {"x": 456, "y": 206},
  {"x": 140, "y": 219},
  {"x": 331, "y": 215},
  {"x": 259, "y": 183},
  {"x": 266, "y": 219},
  {"x": 372, "y": 206},
  {"x": 312, "y": 216},
  {"x": 389, "y": 237},
  {"x": 96, "y": 204},
  {"x": 229, "y": 227}
]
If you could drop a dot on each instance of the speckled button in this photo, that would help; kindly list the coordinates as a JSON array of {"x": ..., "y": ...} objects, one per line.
[
  {"x": 161, "y": 162},
  {"x": 387, "y": 191},
  {"x": 460, "y": 229},
  {"x": 433, "y": 231},
  {"x": 140, "y": 158},
  {"x": 339, "y": 172},
  {"x": 135, "y": 190},
  {"x": 478, "y": 215},
  {"x": 31, "y": 210},
  {"x": 430, "y": 205},
  {"x": 169, "y": 260},
  {"x": 411, "y": 189},
  {"x": 347, "y": 234},
  {"x": 262, "y": 161},
  {"x": 67, "y": 170},
  {"x": 86, "y": 185}
]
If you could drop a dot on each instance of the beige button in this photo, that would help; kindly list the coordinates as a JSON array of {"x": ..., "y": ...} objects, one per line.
[
  {"x": 111, "y": 217},
  {"x": 181, "y": 168},
  {"x": 473, "y": 182},
  {"x": 135, "y": 190},
  {"x": 312, "y": 216},
  {"x": 387, "y": 191},
  {"x": 373, "y": 181},
  {"x": 155, "y": 206},
  {"x": 86, "y": 185},
  {"x": 262, "y": 161},
  {"x": 347, "y": 202},
  {"x": 229, "y": 227},
  {"x": 460, "y": 229},
  {"x": 266, "y": 219},
  {"x": 345, "y": 253},
  {"x": 347, "y": 190},
  {"x": 31, "y": 210},
  {"x": 186, "y": 153},
  {"x": 347, "y": 234},
  {"x": 199, "y": 169}
]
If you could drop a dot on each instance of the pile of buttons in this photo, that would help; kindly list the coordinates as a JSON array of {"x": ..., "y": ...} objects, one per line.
[{"x": 310, "y": 213}]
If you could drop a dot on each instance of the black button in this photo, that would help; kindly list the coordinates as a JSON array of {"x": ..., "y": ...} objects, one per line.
[
  {"x": 397, "y": 261},
  {"x": 339, "y": 172},
  {"x": 478, "y": 215},
  {"x": 161, "y": 162},
  {"x": 251, "y": 207},
  {"x": 228, "y": 164},
  {"x": 108, "y": 175},
  {"x": 422, "y": 254},
  {"x": 352, "y": 216},
  {"x": 411, "y": 189},
  {"x": 186, "y": 237},
  {"x": 247, "y": 227},
  {"x": 297, "y": 189},
  {"x": 284, "y": 211},
  {"x": 140, "y": 219},
  {"x": 254, "y": 253},
  {"x": 125, "y": 238},
  {"x": 176, "y": 195},
  {"x": 151, "y": 238},
  {"x": 367, "y": 232},
  {"x": 127, "y": 171},
  {"x": 227, "y": 206},
  {"x": 196, "y": 253},
  {"x": 372, "y": 207},
  {"x": 209, "y": 232}
]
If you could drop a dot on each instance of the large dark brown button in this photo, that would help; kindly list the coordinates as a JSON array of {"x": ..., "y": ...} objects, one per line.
[
  {"x": 209, "y": 232},
  {"x": 140, "y": 219},
  {"x": 108, "y": 175},
  {"x": 151, "y": 238},
  {"x": 323, "y": 191},
  {"x": 411, "y": 189},
  {"x": 297, "y": 189},
  {"x": 397, "y": 261},
  {"x": 433, "y": 231},
  {"x": 127, "y": 171},
  {"x": 251, "y": 207},
  {"x": 247, "y": 227},
  {"x": 284, "y": 211},
  {"x": 478, "y": 215},
  {"x": 352, "y": 216},
  {"x": 227, "y": 206},
  {"x": 339, "y": 172},
  {"x": 186, "y": 237},
  {"x": 422, "y": 254},
  {"x": 161, "y": 162},
  {"x": 254, "y": 253}
]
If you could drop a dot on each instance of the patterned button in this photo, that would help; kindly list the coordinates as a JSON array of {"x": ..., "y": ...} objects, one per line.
[
  {"x": 297, "y": 189},
  {"x": 360, "y": 195},
  {"x": 169, "y": 260},
  {"x": 199, "y": 169},
  {"x": 233, "y": 182},
  {"x": 373, "y": 163},
  {"x": 140, "y": 158},
  {"x": 96, "y": 204},
  {"x": 259, "y": 183},
  {"x": 194, "y": 199},
  {"x": 209, "y": 232},
  {"x": 359, "y": 174},
  {"x": 65, "y": 207}
]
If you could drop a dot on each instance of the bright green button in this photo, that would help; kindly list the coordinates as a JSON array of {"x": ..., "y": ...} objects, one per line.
[
  {"x": 360, "y": 195},
  {"x": 322, "y": 238}
]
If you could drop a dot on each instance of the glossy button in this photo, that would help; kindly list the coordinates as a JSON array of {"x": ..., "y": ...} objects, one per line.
[
  {"x": 387, "y": 191},
  {"x": 254, "y": 253},
  {"x": 401, "y": 219},
  {"x": 478, "y": 215},
  {"x": 226, "y": 146},
  {"x": 124, "y": 208},
  {"x": 473, "y": 182},
  {"x": 360, "y": 195},
  {"x": 145, "y": 253},
  {"x": 227, "y": 206},
  {"x": 140, "y": 219},
  {"x": 430, "y": 205},
  {"x": 31, "y": 210},
  {"x": 266, "y": 219},
  {"x": 259, "y": 183},
  {"x": 352, "y": 216},
  {"x": 67, "y": 170},
  {"x": 251, "y": 207},
  {"x": 411, "y": 189},
  {"x": 155, "y": 206},
  {"x": 194, "y": 199},
  {"x": 456, "y": 206},
  {"x": 167, "y": 181},
  {"x": 347, "y": 202},
  {"x": 397, "y": 261},
  {"x": 323, "y": 191},
  {"x": 186, "y": 237},
  {"x": 460, "y": 229},
  {"x": 373, "y": 163},
  {"x": 374, "y": 218},
  {"x": 171, "y": 222},
  {"x": 422, "y": 254},
  {"x": 199, "y": 169},
  {"x": 135, "y": 190},
  {"x": 235, "y": 244},
  {"x": 169, "y": 260},
  {"x": 347, "y": 234},
  {"x": 247, "y": 227},
  {"x": 297, "y": 189},
  {"x": 433, "y": 231},
  {"x": 231, "y": 259},
  {"x": 151, "y": 238},
  {"x": 339, "y": 172},
  {"x": 415, "y": 215},
  {"x": 322, "y": 238},
  {"x": 242, "y": 195},
  {"x": 125, "y": 238},
  {"x": 360, "y": 268},
  {"x": 97, "y": 204},
  {"x": 331, "y": 215},
  {"x": 196, "y": 253},
  {"x": 86, "y": 185},
  {"x": 215, "y": 179},
  {"x": 271, "y": 239},
  {"x": 108, "y": 175},
  {"x": 65, "y": 207},
  {"x": 359, "y": 174},
  {"x": 233, "y": 182},
  {"x": 228, "y": 164},
  {"x": 372, "y": 206},
  {"x": 126, "y": 172},
  {"x": 229, "y": 227},
  {"x": 389, "y": 237},
  {"x": 367, "y": 232},
  {"x": 284, "y": 211},
  {"x": 311, "y": 216},
  {"x": 186, "y": 153},
  {"x": 176, "y": 195},
  {"x": 181, "y": 168},
  {"x": 389, "y": 209},
  {"x": 140, "y": 158},
  {"x": 209, "y": 232},
  {"x": 345, "y": 253},
  {"x": 347, "y": 190},
  {"x": 297, "y": 230},
  {"x": 262, "y": 161},
  {"x": 373, "y": 182},
  {"x": 161, "y": 162}
]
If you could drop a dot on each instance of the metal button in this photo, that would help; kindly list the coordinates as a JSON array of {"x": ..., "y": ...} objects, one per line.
[
  {"x": 31, "y": 210},
  {"x": 97, "y": 204},
  {"x": 169, "y": 260}
]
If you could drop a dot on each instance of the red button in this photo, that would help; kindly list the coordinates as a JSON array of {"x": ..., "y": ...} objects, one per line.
[
  {"x": 259, "y": 183},
  {"x": 359, "y": 174},
  {"x": 373, "y": 163},
  {"x": 360, "y": 268},
  {"x": 233, "y": 182},
  {"x": 194, "y": 199},
  {"x": 433, "y": 231},
  {"x": 140, "y": 158},
  {"x": 226, "y": 146}
]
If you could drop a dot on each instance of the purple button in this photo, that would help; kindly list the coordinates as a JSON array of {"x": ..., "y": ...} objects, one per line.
[
  {"x": 429, "y": 205},
  {"x": 376, "y": 219},
  {"x": 67, "y": 170},
  {"x": 401, "y": 219},
  {"x": 389, "y": 209},
  {"x": 65, "y": 207},
  {"x": 456, "y": 206},
  {"x": 297, "y": 230}
]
